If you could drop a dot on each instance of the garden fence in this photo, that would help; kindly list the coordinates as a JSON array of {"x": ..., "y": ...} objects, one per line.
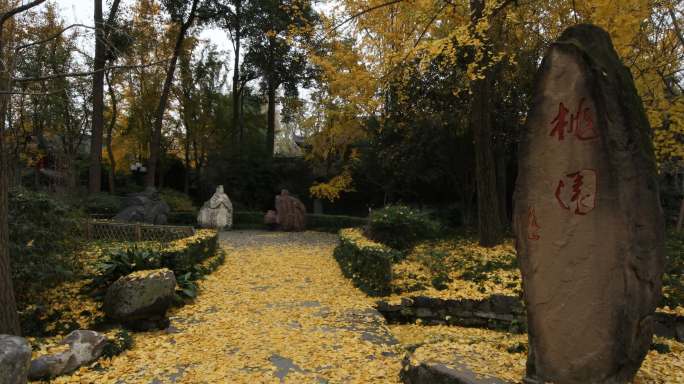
[{"x": 109, "y": 230}]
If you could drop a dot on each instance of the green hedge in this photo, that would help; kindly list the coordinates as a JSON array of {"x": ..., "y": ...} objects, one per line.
[
  {"x": 179, "y": 256},
  {"x": 401, "y": 227},
  {"x": 333, "y": 223},
  {"x": 367, "y": 263},
  {"x": 323, "y": 223},
  {"x": 182, "y": 254}
]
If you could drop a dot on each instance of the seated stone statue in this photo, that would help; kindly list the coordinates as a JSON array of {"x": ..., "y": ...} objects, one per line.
[{"x": 217, "y": 212}]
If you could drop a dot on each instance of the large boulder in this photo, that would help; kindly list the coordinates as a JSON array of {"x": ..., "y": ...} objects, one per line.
[
  {"x": 84, "y": 348},
  {"x": 15, "y": 357},
  {"x": 588, "y": 221},
  {"x": 144, "y": 207},
  {"x": 217, "y": 212},
  {"x": 141, "y": 299},
  {"x": 290, "y": 211}
]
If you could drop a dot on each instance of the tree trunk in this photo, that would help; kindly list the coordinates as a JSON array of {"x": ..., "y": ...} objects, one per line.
[
  {"x": 237, "y": 126},
  {"x": 95, "y": 173},
  {"x": 270, "y": 136},
  {"x": 501, "y": 182},
  {"x": 110, "y": 133},
  {"x": 489, "y": 217},
  {"x": 680, "y": 220},
  {"x": 155, "y": 144}
]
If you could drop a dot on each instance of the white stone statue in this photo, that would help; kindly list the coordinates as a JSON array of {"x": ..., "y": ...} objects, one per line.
[{"x": 217, "y": 212}]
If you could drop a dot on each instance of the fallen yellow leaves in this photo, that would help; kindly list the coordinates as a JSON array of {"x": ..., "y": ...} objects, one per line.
[
  {"x": 501, "y": 355},
  {"x": 278, "y": 310}
]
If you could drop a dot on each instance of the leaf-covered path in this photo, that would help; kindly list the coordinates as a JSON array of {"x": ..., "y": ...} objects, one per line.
[{"x": 278, "y": 311}]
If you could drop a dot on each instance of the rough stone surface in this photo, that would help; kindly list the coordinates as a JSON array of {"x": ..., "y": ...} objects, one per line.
[
  {"x": 495, "y": 312},
  {"x": 291, "y": 212},
  {"x": 140, "y": 297},
  {"x": 429, "y": 372},
  {"x": 144, "y": 207},
  {"x": 15, "y": 357},
  {"x": 217, "y": 212},
  {"x": 588, "y": 220},
  {"x": 84, "y": 348}
]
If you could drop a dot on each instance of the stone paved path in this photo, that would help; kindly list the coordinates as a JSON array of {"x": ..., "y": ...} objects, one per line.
[{"x": 277, "y": 311}]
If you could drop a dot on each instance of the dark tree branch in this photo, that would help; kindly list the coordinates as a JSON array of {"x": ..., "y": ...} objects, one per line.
[
  {"x": 363, "y": 12},
  {"x": 9, "y": 14},
  {"x": 88, "y": 73},
  {"x": 54, "y": 36}
]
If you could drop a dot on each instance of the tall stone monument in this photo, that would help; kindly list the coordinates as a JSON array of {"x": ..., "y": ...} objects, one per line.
[
  {"x": 217, "y": 212},
  {"x": 588, "y": 220}
]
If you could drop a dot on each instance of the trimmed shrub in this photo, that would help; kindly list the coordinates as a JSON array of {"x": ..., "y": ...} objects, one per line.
[
  {"x": 333, "y": 223},
  {"x": 103, "y": 203},
  {"x": 367, "y": 263},
  {"x": 179, "y": 256},
  {"x": 248, "y": 220},
  {"x": 401, "y": 227},
  {"x": 183, "y": 218}
]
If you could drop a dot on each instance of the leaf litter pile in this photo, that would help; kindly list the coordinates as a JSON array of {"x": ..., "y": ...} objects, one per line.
[
  {"x": 280, "y": 311},
  {"x": 277, "y": 311}
]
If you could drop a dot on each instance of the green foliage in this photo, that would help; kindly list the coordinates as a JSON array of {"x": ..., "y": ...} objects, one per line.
[
  {"x": 248, "y": 220},
  {"x": 182, "y": 257},
  {"x": 118, "y": 344},
  {"x": 673, "y": 278},
  {"x": 182, "y": 218},
  {"x": 121, "y": 262},
  {"x": 43, "y": 241},
  {"x": 177, "y": 201},
  {"x": 367, "y": 263},
  {"x": 401, "y": 227},
  {"x": 103, "y": 203},
  {"x": 333, "y": 223}
]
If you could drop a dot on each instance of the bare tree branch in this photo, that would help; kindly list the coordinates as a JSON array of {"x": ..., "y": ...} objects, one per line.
[
  {"x": 54, "y": 36},
  {"x": 88, "y": 73},
  {"x": 363, "y": 12},
  {"x": 9, "y": 14}
]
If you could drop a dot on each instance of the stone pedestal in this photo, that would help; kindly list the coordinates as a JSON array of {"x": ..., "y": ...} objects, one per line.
[{"x": 588, "y": 220}]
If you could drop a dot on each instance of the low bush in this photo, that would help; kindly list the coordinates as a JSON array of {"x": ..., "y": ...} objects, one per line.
[
  {"x": 248, "y": 220},
  {"x": 182, "y": 218},
  {"x": 181, "y": 256},
  {"x": 333, "y": 223},
  {"x": 367, "y": 263},
  {"x": 103, "y": 203},
  {"x": 401, "y": 227},
  {"x": 177, "y": 201},
  {"x": 43, "y": 241}
]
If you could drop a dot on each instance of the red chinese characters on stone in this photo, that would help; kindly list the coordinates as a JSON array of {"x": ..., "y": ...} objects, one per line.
[
  {"x": 580, "y": 123},
  {"x": 532, "y": 226},
  {"x": 577, "y": 191}
]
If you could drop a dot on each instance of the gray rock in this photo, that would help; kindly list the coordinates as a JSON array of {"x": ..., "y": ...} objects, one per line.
[
  {"x": 142, "y": 295},
  {"x": 588, "y": 221},
  {"x": 217, "y": 212},
  {"x": 437, "y": 372},
  {"x": 145, "y": 207},
  {"x": 679, "y": 332},
  {"x": 85, "y": 347},
  {"x": 15, "y": 357}
]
